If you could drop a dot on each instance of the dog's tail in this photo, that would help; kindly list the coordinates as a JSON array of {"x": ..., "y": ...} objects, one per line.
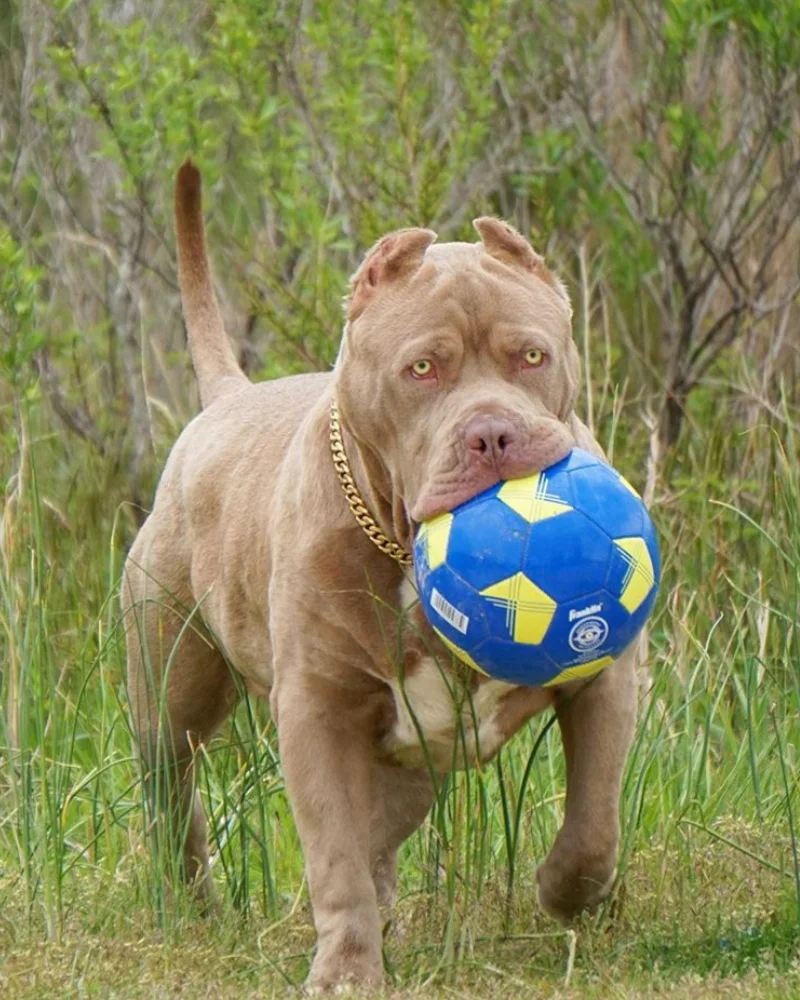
[{"x": 214, "y": 361}]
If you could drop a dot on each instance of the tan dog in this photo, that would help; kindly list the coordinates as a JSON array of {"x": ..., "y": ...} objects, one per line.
[{"x": 456, "y": 369}]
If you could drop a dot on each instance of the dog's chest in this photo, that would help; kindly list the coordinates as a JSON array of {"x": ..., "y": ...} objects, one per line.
[{"x": 441, "y": 722}]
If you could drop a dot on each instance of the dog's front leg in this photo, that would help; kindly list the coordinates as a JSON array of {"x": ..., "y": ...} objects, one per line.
[
  {"x": 597, "y": 722},
  {"x": 326, "y": 736}
]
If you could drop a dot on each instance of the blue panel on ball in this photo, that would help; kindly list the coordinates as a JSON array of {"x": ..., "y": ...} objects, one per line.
[
  {"x": 577, "y": 459},
  {"x": 590, "y": 628},
  {"x": 567, "y": 556},
  {"x": 487, "y": 540},
  {"x": 480, "y": 498},
  {"x": 515, "y": 663},
  {"x": 452, "y": 607},
  {"x": 604, "y": 498}
]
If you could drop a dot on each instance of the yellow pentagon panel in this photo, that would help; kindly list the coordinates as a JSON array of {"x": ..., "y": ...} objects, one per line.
[
  {"x": 529, "y": 610},
  {"x": 581, "y": 670},
  {"x": 436, "y": 534},
  {"x": 639, "y": 577},
  {"x": 628, "y": 486},
  {"x": 530, "y": 499},
  {"x": 459, "y": 652}
]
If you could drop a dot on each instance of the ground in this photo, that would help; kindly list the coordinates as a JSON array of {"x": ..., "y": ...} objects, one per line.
[{"x": 710, "y": 922}]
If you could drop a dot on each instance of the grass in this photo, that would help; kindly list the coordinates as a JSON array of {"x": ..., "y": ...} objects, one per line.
[{"x": 709, "y": 898}]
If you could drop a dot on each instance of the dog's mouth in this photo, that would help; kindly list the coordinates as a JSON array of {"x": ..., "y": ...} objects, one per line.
[
  {"x": 444, "y": 496},
  {"x": 475, "y": 473}
]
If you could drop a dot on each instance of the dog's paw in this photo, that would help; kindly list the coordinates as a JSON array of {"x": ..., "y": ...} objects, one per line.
[
  {"x": 206, "y": 896},
  {"x": 350, "y": 986},
  {"x": 564, "y": 890},
  {"x": 346, "y": 989},
  {"x": 345, "y": 971}
]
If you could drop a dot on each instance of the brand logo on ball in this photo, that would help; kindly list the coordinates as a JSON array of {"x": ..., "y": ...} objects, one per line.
[
  {"x": 583, "y": 612},
  {"x": 588, "y": 634}
]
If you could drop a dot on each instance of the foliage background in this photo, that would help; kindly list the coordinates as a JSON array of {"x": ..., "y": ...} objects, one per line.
[{"x": 650, "y": 148}]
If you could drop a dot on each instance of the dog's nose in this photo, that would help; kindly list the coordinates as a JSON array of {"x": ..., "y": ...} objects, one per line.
[{"x": 489, "y": 437}]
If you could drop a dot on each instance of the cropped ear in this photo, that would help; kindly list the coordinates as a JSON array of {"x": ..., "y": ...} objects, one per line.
[
  {"x": 506, "y": 244},
  {"x": 394, "y": 256}
]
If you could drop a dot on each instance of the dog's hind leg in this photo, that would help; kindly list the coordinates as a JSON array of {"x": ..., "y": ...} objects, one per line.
[
  {"x": 180, "y": 689},
  {"x": 401, "y": 799}
]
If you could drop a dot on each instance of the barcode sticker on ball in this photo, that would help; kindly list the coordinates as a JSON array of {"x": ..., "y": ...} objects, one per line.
[{"x": 448, "y": 612}]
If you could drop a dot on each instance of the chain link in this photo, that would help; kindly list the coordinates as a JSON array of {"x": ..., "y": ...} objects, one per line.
[{"x": 353, "y": 497}]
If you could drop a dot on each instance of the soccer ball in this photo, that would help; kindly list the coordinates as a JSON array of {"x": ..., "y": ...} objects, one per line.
[{"x": 541, "y": 580}]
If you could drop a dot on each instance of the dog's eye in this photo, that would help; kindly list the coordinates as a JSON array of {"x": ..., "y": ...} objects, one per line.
[
  {"x": 423, "y": 369},
  {"x": 533, "y": 358}
]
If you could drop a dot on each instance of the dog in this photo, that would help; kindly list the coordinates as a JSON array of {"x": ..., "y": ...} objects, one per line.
[{"x": 275, "y": 560}]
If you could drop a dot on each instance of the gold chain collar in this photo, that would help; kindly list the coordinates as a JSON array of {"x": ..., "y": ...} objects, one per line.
[{"x": 357, "y": 506}]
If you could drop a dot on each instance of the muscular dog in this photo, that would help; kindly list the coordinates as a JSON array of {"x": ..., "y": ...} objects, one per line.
[{"x": 456, "y": 369}]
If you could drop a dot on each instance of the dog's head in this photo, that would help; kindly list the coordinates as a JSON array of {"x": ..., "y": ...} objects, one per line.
[{"x": 457, "y": 367}]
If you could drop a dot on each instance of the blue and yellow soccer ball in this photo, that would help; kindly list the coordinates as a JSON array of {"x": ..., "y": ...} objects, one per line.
[{"x": 541, "y": 580}]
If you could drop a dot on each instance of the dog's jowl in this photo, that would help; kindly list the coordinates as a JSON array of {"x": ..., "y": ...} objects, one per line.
[{"x": 253, "y": 570}]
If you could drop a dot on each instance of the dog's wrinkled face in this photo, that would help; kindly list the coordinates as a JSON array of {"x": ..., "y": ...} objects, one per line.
[{"x": 457, "y": 367}]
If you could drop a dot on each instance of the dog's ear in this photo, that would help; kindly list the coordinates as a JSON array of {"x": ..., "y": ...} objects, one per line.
[
  {"x": 394, "y": 256},
  {"x": 506, "y": 244}
]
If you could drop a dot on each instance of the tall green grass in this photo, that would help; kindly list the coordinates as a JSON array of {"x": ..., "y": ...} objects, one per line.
[{"x": 713, "y": 767}]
